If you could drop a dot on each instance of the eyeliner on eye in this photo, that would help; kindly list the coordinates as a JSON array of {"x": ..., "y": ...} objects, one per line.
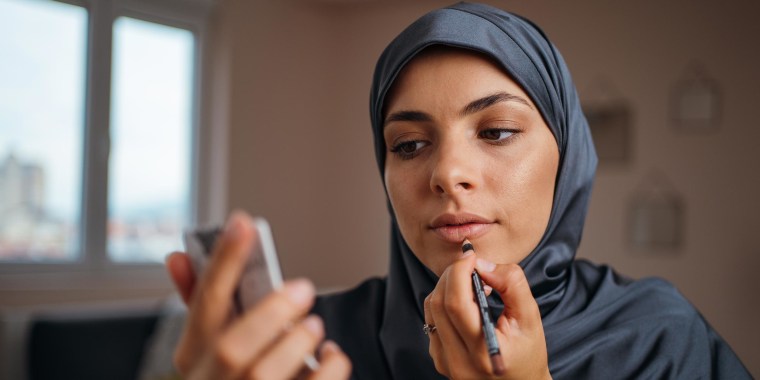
[
  {"x": 502, "y": 135},
  {"x": 399, "y": 149}
]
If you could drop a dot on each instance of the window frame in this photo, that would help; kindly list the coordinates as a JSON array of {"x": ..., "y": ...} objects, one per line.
[{"x": 93, "y": 267}]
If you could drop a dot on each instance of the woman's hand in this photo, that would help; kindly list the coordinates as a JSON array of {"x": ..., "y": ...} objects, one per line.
[
  {"x": 457, "y": 345},
  {"x": 268, "y": 341}
]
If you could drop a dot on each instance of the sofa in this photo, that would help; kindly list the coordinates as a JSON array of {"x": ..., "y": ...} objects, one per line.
[{"x": 102, "y": 343}]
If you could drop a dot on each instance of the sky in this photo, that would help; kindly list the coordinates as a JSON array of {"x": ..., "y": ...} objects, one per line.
[
  {"x": 42, "y": 103},
  {"x": 42, "y": 48}
]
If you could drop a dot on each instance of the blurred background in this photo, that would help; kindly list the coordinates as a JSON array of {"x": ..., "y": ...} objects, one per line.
[{"x": 124, "y": 121}]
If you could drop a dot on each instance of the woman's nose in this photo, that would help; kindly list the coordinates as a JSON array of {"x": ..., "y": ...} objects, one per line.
[{"x": 453, "y": 171}]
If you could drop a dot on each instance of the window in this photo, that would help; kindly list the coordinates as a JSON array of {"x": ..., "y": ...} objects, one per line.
[
  {"x": 151, "y": 112},
  {"x": 99, "y": 115},
  {"x": 42, "y": 104}
]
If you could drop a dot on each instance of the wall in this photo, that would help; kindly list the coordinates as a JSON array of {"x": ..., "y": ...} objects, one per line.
[
  {"x": 300, "y": 145},
  {"x": 296, "y": 155}
]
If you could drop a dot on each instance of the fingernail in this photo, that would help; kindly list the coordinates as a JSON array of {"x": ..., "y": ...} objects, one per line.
[
  {"x": 235, "y": 224},
  {"x": 314, "y": 324},
  {"x": 168, "y": 257},
  {"x": 484, "y": 265},
  {"x": 301, "y": 291},
  {"x": 329, "y": 346}
]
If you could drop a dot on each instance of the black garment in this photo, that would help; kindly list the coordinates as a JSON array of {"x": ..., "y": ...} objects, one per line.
[
  {"x": 612, "y": 328},
  {"x": 597, "y": 324}
]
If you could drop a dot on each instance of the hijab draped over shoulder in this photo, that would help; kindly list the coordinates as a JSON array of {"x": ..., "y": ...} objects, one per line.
[{"x": 598, "y": 325}]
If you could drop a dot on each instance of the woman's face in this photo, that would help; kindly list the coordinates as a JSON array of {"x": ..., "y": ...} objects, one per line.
[{"x": 469, "y": 156}]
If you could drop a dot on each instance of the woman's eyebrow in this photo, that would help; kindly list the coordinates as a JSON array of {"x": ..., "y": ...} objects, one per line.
[
  {"x": 485, "y": 102},
  {"x": 474, "y": 106},
  {"x": 408, "y": 116}
]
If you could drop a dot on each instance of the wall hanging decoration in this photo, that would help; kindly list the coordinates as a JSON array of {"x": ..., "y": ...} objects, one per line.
[
  {"x": 610, "y": 118},
  {"x": 656, "y": 215},
  {"x": 695, "y": 101}
]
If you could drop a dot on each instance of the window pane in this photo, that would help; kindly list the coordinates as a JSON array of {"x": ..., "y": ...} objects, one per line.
[
  {"x": 151, "y": 137},
  {"x": 42, "y": 87}
]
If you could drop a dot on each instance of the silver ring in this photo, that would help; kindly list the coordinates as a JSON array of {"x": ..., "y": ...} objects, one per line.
[{"x": 428, "y": 329}]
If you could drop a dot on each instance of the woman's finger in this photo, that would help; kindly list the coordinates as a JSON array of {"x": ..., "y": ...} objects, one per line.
[
  {"x": 212, "y": 302},
  {"x": 523, "y": 345},
  {"x": 463, "y": 311},
  {"x": 285, "y": 359},
  {"x": 454, "y": 350},
  {"x": 181, "y": 273},
  {"x": 231, "y": 353},
  {"x": 434, "y": 347},
  {"x": 333, "y": 363},
  {"x": 460, "y": 303},
  {"x": 510, "y": 282},
  {"x": 257, "y": 329}
]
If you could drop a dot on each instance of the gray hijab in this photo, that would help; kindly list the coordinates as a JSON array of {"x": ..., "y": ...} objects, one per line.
[
  {"x": 534, "y": 63},
  {"x": 597, "y": 324}
]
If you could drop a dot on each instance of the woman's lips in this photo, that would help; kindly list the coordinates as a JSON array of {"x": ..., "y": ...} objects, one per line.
[
  {"x": 457, "y": 233},
  {"x": 455, "y": 228}
]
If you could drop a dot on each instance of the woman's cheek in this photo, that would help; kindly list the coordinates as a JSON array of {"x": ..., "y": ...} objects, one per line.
[
  {"x": 400, "y": 194},
  {"x": 403, "y": 191},
  {"x": 395, "y": 187}
]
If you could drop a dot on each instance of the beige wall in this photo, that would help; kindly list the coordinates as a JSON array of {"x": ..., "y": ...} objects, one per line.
[{"x": 300, "y": 145}]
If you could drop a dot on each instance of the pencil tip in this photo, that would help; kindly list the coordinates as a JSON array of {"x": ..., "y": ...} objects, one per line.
[{"x": 467, "y": 246}]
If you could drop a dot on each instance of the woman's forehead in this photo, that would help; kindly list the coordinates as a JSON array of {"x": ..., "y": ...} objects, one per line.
[{"x": 449, "y": 75}]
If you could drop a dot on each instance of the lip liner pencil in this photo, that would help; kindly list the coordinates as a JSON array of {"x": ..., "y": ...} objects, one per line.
[{"x": 489, "y": 331}]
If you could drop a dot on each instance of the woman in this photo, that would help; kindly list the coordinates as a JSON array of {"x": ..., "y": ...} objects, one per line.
[{"x": 479, "y": 135}]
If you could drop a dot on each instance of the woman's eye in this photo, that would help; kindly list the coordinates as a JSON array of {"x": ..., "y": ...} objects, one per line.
[
  {"x": 408, "y": 149},
  {"x": 496, "y": 134}
]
